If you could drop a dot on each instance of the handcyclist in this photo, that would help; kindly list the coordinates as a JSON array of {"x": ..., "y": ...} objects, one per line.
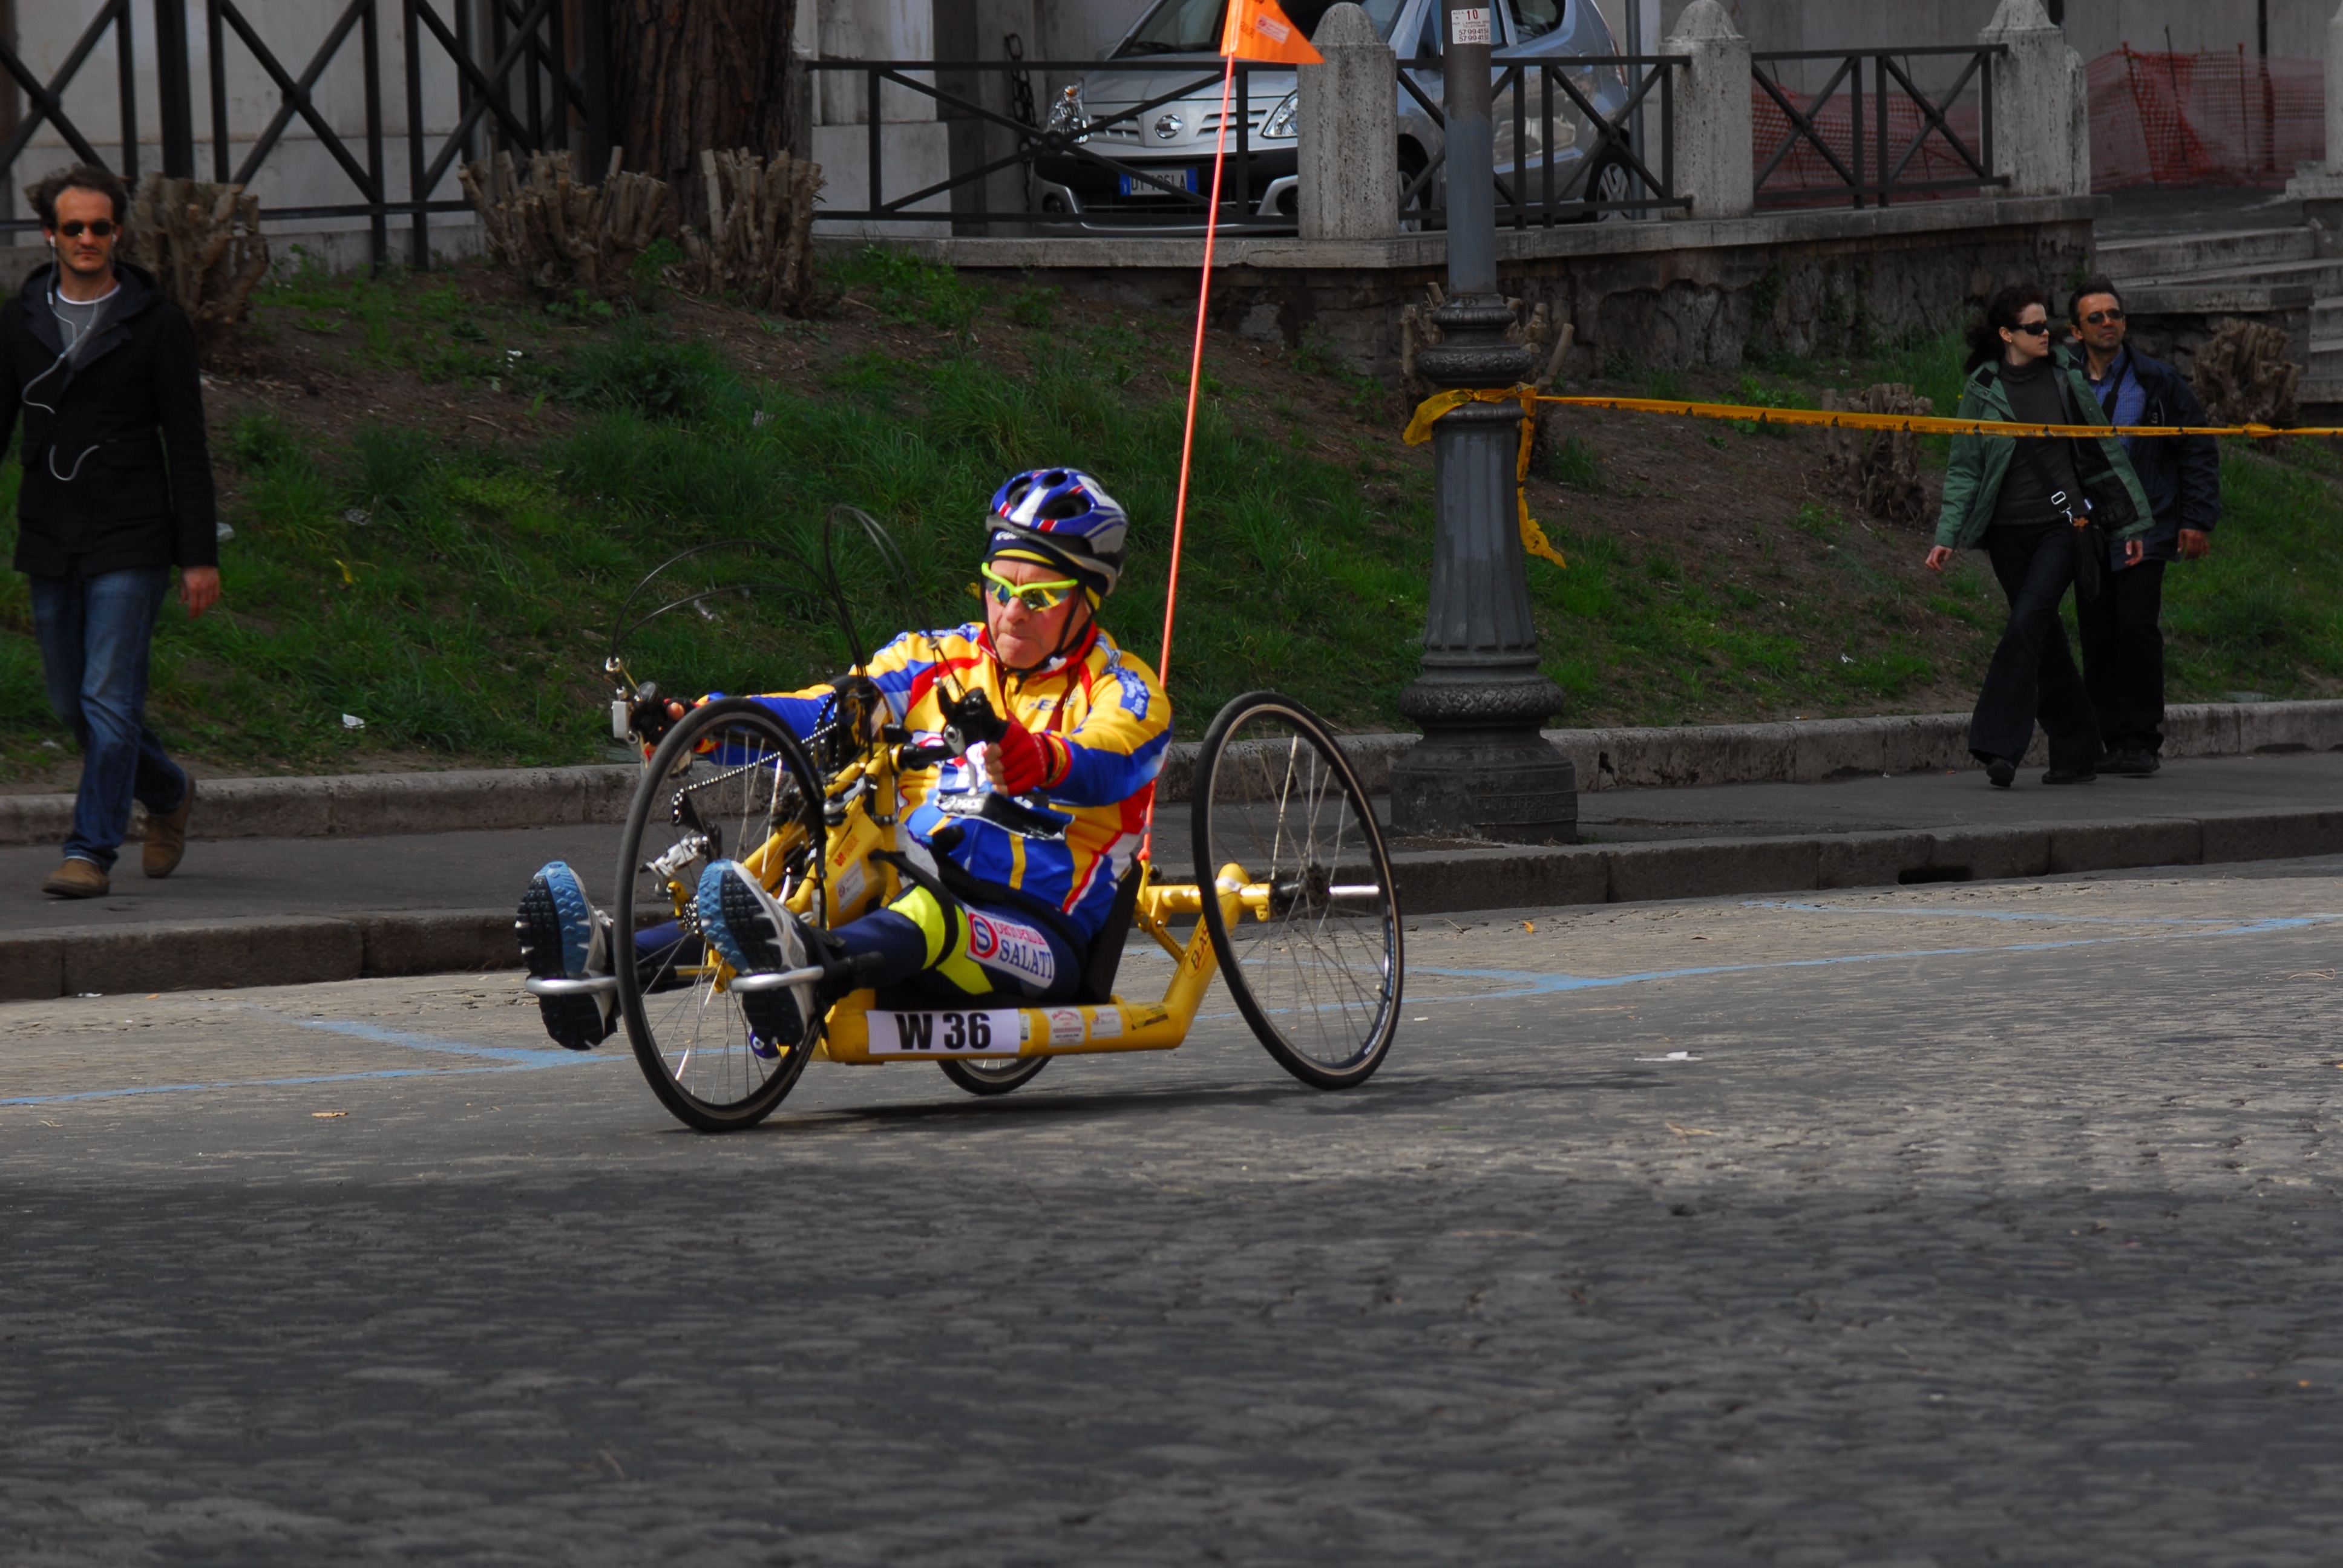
[{"x": 992, "y": 912}]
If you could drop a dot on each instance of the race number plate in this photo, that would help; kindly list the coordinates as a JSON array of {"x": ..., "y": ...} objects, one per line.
[{"x": 982, "y": 1033}]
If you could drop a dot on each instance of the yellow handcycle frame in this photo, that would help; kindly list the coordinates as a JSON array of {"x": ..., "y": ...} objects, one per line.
[{"x": 1065, "y": 1029}]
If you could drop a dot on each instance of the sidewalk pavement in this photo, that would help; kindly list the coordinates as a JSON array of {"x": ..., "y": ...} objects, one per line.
[{"x": 280, "y": 910}]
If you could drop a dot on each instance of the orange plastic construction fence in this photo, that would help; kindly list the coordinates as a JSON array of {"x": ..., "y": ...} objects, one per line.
[{"x": 2209, "y": 119}]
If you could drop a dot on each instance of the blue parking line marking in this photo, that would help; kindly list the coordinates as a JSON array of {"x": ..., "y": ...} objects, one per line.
[
  {"x": 535, "y": 1056},
  {"x": 253, "y": 1083},
  {"x": 505, "y": 1059}
]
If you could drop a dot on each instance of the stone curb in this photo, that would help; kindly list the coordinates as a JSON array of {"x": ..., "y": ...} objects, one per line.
[
  {"x": 358, "y": 804},
  {"x": 1804, "y": 752},
  {"x": 185, "y": 955},
  {"x": 251, "y": 950}
]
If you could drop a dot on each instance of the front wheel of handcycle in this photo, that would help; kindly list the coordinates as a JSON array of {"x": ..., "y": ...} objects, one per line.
[
  {"x": 1313, "y": 957},
  {"x": 730, "y": 781}
]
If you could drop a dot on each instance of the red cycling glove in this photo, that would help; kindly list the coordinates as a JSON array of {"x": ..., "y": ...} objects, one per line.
[{"x": 1027, "y": 761}]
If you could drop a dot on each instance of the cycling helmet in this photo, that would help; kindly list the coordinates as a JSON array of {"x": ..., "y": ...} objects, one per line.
[{"x": 1063, "y": 518}]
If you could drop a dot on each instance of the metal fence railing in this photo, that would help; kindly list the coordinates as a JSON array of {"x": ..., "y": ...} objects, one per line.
[
  {"x": 1078, "y": 159},
  {"x": 1565, "y": 149},
  {"x": 529, "y": 86},
  {"x": 1560, "y": 155},
  {"x": 1843, "y": 144}
]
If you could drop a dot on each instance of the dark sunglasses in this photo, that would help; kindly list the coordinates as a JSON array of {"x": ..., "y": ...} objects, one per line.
[
  {"x": 2098, "y": 317},
  {"x": 103, "y": 229},
  {"x": 2038, "y": 328}
]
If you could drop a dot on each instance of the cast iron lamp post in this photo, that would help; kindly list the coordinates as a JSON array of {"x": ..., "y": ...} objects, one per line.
[{"x": 1482, "y": 770}]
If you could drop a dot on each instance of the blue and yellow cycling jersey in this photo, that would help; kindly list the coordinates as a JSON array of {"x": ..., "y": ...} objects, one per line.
[{"x": 1100, "y": 716}]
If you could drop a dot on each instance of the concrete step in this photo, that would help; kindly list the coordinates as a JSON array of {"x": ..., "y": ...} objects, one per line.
[
  {"x": 2169, "y": 256},
  {"x": 2325, "y": 359},
  {"x": 2319, "y": 391},
  {"x": 2190, "y": 297},
  {"x": 2323, "y": 275},
  {"x": 2327, "y": 318}
]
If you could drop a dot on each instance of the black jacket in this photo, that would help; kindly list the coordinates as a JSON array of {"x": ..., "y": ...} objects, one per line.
[
  {"x": 98, "y": 494},
  {"x": 2181, "y": 473}
]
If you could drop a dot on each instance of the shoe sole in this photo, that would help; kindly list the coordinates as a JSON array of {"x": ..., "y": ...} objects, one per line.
[
  {"x": 745, "y": 938},
  {"x": 575, "y": 1023},
  {"x": 75, "y": 891}
]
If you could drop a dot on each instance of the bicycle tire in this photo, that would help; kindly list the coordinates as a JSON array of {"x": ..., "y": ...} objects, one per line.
[
  {"x": 1318, "y": 976},
  {"x": 988, "y": 1078},
  {"x": 671, "y": 1027}
]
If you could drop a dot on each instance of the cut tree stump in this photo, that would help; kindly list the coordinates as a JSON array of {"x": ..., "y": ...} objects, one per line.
[
  {"x": 203, "y": 244},
  {"x": 2243, "y": 375},
  {"x": 759, "y": 246},
  {"x": 1879, "y": 471},
  {"x": 562, "y": 236}
]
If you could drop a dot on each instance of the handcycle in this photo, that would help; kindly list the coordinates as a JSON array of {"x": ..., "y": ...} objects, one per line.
[{"x": 1299, "y": 915}]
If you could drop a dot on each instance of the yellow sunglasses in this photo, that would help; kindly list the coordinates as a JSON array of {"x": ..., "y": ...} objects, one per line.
[{"x": 1035, "y": 597}]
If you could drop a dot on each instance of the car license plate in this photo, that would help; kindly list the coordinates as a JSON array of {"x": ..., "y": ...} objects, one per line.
[{"x": 1175, "y": 178}]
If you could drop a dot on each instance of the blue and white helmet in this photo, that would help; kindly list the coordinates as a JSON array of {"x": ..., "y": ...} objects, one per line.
[{"x": 1064, "y": 519}]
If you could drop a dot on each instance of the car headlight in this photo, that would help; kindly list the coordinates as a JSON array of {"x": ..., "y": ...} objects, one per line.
[{"x": 1284, "y": 120}]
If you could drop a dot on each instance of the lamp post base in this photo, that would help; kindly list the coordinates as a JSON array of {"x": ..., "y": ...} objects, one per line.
[
  {"x": 1508, "y": 785},
  {"x": 1483, "y": 771}
]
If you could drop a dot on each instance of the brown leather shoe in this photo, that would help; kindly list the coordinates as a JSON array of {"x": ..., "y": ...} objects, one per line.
[
  {"x": 78, "y": 879},
  {"x": 167, "y": 836}
]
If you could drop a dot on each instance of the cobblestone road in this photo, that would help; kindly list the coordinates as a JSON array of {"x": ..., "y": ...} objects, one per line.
[{"x": 1940, "y": 1224}]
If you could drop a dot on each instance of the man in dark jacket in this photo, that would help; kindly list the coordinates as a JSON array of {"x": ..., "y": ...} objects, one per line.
[
  {"x": 116, "y": 490},
  {"x": 2123, "y": 646}
]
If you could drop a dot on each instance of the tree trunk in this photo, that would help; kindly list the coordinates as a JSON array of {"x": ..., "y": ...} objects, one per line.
[{"x": 689, "y": 75}]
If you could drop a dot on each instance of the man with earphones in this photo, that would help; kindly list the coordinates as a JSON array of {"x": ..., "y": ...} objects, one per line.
[{"x": 116, "y": 491}]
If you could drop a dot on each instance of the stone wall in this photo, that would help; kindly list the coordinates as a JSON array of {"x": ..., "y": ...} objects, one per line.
[{"x": 1662, "y": 294}]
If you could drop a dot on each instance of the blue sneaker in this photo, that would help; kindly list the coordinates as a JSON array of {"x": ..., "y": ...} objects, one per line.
[
  {"x": 752, "y": 932},
  {"x": 562, "y": 935}
]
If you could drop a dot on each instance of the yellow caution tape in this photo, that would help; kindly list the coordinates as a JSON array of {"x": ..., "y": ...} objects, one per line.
[
  {"x": 1419, "y": 431},
  {"x": 1917, "y": 424},
  {"x": 1533, "y": 539}
]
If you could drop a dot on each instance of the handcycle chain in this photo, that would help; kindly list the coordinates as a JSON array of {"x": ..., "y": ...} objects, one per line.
[{"x": 725, "y": 776}]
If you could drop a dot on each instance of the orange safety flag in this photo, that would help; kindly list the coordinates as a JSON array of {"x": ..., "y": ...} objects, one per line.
[{"x": 1258, "y": 30}]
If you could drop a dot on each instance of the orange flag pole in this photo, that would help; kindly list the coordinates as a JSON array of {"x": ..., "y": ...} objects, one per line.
[
  {"x": 1195, "y": 377},
  {"x": 1254, "y": 29},
  {"x": 1187, "y": 431}
]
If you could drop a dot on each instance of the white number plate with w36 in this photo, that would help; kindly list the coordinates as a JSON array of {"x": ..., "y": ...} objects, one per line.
[{"x": 986, "y": 1033}]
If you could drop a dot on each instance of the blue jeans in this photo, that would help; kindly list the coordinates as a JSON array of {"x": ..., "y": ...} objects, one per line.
[{"x": 96, "y": 634}]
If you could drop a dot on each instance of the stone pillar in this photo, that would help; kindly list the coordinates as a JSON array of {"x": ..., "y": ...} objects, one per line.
[
  {"x": 2320, "y": 190},
  {"x": 1482, "y": 770},
  {"x": 2335, "y": 93},
  {"x": 1350, "y": 110},
  {"x": 1711, "y": 112},
  {"x": 2041, "y": 105}
]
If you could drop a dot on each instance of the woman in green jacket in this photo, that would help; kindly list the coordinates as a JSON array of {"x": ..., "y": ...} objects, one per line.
[{"x": 2042, "y": 506}]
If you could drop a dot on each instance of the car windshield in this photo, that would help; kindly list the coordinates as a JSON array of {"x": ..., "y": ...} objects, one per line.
[{"x": 1193, "y": 26}]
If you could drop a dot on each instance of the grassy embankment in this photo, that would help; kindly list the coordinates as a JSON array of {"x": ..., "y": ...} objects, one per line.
[{"x": 456, "y": 591}]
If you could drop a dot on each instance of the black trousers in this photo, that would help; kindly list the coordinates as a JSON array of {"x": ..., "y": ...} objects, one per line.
[
  {"x": 2033, "y": 674},
  {"x": 2123, "y": 657}
]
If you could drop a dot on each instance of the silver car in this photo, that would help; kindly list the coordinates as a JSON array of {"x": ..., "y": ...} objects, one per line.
[{"x": 1170, "y": 143}]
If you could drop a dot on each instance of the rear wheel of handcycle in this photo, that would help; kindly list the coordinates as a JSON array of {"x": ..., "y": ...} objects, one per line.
[
  {"x": 1316, "y": 970},
  {"x": 699, "y": 803},
  {"x": 997, "y": 1077}
]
